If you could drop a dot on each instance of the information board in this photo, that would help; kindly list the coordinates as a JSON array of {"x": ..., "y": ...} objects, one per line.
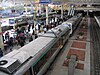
[
  {"x": 45, "y": 1},
  {"x": 11, "y": 21}
]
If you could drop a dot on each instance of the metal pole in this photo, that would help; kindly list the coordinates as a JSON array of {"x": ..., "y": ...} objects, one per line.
[
  {"x": 14, "y": 26},
  {"x": 35, "y": 12},
  {"x": 34, "y": 20},
  {"x": 61, "y": 11},
  {"x": 46, "y": 14},
  {"x": 1, "y": 38},
  {"x": 26, "y": 8}
]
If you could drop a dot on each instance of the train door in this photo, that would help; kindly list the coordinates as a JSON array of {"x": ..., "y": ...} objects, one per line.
[{"x": 61, "y": 42}]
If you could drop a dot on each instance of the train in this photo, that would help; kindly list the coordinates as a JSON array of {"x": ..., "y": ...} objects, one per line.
[{"x": 36, "y": 57}]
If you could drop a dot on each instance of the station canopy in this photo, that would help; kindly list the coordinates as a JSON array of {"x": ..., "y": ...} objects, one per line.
[{"x": 11, "y": 2}]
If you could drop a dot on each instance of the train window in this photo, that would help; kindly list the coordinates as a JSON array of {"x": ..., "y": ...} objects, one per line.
[
  {"x": 42, "y": 62},
  {"x": 37, "y": 67},
  {"x": 55, "y": 47},
  {"x": 60, "y": 42},
  {"x": 28, "y": 72},
  {"x": 48, "y": 55},
  {"x": 65, "y": 36}
]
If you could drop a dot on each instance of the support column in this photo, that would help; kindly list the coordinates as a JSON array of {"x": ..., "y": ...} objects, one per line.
[
  {"x": 87, "y": 12},
  {"x": 46, "y": 14},
  {"x": 1, "y": 38},
  {"x": 61, "y": 11},
  {"x": 34, "y": 21}
]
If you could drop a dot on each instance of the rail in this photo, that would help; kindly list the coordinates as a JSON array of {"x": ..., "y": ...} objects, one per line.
[{"x": 95, "y": 37}]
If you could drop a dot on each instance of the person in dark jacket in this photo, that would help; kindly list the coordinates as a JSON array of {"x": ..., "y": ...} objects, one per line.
[
  {"x": 10, "y": 43},
  {"x": 21, "y": 42},
  {"x": 36, "y": 36},
  {"x": 30, "y": 38},
  {"x": 1, "y": 53}
]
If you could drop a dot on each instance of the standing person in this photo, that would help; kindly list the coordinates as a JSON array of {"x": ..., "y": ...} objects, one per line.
[
  {"x": 36, "y": 36},
  {"x": 56, "y": 21},
  {"x": 30, "y": 38},
  {"x": 10, "y": 43},
  {"x": 29, "y": 27},
  {"x": 21, "y": 42},
  {"x": 44, "y": 29},
  {"x": 1, "y": 53},
  {"x": 33, "y": 32},
  {"x": 7, "y": 36},
  {"x": 18, "y": 31}
]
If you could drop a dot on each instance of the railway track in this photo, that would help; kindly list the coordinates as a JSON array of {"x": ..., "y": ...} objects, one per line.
[{"x": 95, "y": 44}]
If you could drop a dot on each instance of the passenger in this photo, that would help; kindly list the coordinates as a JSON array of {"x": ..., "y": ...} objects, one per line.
[
  {"x": 10, "y": 43},
  {"x": 45, "y": 30},
  {"x": 47, "y": 27},
  {"x": 5, "y": 45},
  {"x": 39, "y": 27},
  {"x": 29, "y": 26},
  {"x": 36, "y": 36},
  {"x": 21, "y": 34},
  {"x": 32, "y": 25},
  {"x": 7, "y": 36},
  {"x": 56, "y": 19},
  {"x": 18, "y": 31},
  {"x": 21, "y": 42},
  {"x": 23, "y": 29},
  {"x": 33, "y": 32},
  {"x": 30, "y": 38},
  {"x": 1, "y": 53}
]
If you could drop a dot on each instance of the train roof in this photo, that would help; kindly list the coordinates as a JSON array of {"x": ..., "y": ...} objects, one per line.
[
  {"x": 32, "y": 50},
  {"x": 35, "y": 46},
  {"x": 72, "y": 20},
  {"x": 55, "y": 32}
]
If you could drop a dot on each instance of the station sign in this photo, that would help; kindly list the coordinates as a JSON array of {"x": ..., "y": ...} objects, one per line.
[
  {"x": 11, "y": 21},
  {"x": 56, "y": 3},
  {"x": 45, "y": 1}
]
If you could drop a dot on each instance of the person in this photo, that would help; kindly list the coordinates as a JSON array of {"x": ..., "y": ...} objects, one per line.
[
  {"x": 18, "y": 31},
  {"x": 45, "y": 30},
  {"x": 33, "y": 32},
  {"x": 7, "y": 36},
  {"x": 36, "y": 36},
  {"x": 1, "y": 53},
  {"x": 10, "y": 43},
  {"x": 29, "y": 27},
  {"x": 30, "y": 38},
  {"x": 21, "y": 42}
]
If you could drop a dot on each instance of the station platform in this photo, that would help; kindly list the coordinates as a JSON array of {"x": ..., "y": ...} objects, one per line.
[
  {"x": 16, "y": 47},
  {"x": 79, "y": 47}
]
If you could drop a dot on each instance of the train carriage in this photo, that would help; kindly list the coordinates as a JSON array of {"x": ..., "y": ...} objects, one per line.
[
  {"x": 35, "y": 57},
  {"x": 73, "y": 22}
]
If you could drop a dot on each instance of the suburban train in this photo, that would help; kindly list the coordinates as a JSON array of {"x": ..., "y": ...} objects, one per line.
[{"x": 36, "y": 57}]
